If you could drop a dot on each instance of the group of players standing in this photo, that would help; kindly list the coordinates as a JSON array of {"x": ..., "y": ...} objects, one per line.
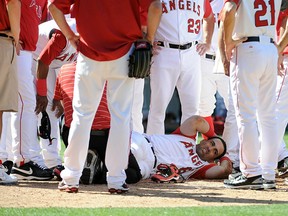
[{"x": 192, "y": 47}]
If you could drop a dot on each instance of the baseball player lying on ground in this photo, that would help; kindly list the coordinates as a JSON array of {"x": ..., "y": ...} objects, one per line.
[
  {"x": 176, "y": 156},
  {"x": 178, "y": 148}
]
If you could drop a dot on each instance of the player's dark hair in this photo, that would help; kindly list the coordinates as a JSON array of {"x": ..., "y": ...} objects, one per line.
[{"x": 224, "y": 145}]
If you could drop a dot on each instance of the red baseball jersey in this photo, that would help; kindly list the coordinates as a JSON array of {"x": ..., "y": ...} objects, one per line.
[
  {"x": 116, "y": 25},
  {"x": 33, "y": 12},
  {"x": 64, "y": 91},
  {"x": 4, "y": 19}
]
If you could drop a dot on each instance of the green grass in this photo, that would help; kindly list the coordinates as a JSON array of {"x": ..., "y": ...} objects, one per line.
[{"x": 260, "y": 210}]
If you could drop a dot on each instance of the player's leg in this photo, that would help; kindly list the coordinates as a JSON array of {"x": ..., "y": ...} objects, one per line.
[
  {"x": 165, "y": 72},
  {"x": 120, "y": 91},
  {"x": 244, "y": 86},
  {"x": 51, "y": 149},
  {"x": 138, "y": 99},
  {"x": 189, "y": 83},
  {"x": 230, "y": 133},
  {"x": 24, "y": 124},
  {"x": 208, "y": 88},
  {"x": 88, "y": 91},
  {"x": 208, "y": 91},
  {"x": 282, "y": 112}
]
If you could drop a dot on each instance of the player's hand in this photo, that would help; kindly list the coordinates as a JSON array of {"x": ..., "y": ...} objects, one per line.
[
  {"x": 226, "y": 65},
  {"x": 74, "y": 40},
  {"x": 155, "y": 48},
  {"x": 229, "y": 47},
  {"x": 57, "y": 107},
  {"x": 19, "y": 47},
  {"x": 41, "y": 104},
  {"x": 281, "y": 69},
  {"x": 202, "y": 48}
]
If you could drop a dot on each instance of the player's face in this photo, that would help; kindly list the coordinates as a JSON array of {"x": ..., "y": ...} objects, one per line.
[{"x": 208, "y": 150}]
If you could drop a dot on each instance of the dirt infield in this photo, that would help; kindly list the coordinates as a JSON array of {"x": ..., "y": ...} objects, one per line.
[{"x": 142, "y": 194}]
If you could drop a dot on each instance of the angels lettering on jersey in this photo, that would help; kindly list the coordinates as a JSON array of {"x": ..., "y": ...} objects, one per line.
[
  {"x": 178, "y": 150},
  {"x": 181, "y": 5},
  {"x": 181, "y": 20}
]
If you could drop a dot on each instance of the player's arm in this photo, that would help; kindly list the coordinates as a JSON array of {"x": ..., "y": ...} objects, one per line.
[
  {"x": 153, "y": 19},
  {"x": 215, "y": 171},
  {"x": 195, "y": 124},
  {"x": 14, "y": 13},
  {"x": 228, "y": 18},
  {"x": 52, "y": 49},
  {"x": 59, "y": 18},
  {"x": 221, "y": 47},
  {"x": 208, "y": 29},
  {"x": 222, "y": 170},
  {"x": 283, "y": 42}
]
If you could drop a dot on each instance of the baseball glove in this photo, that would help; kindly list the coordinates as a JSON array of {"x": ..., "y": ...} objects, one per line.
[
  {"x": 140, "y": 59},
  {"x": 45, "y": 127},
  {"x": 166, "y": 173}
]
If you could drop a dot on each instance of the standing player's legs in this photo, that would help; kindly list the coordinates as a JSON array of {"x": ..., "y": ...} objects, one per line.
[
  {"x": 88, "y": 89},
  {"x": 267, "y": 112},
  {"x": 252, "y": 90},
  {"x": 244, "y": 85},
  {"x": 230, "y": 133},
  {"x": 51, "y": 150},
  {"x": 120, "y": 101},
  {"x": 189, "y": 82},
  {"x": 24, "y": 124},
  {"x": 165, "y": 72},
  {"x": 208, "y": 88},
  {"x": 282, "y": 108},
  {"x": 138, "y": 100}
]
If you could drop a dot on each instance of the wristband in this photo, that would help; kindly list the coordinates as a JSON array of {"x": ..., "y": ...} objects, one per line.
[{"x": 41, "y": 87}]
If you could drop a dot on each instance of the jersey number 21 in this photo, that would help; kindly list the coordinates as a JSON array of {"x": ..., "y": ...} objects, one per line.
[{"x": 261, "y": 10}]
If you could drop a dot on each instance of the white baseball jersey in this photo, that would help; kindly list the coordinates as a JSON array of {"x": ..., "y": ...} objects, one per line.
[
  {"x": 260, "y": 14},
  {"x": 179, "y": 150},
  {"x": 172, "y": 21},
  {"x": 67, "y": 55}
]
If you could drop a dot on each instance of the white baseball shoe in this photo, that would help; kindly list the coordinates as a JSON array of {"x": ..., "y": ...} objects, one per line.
[{"x": 6, "y": 179}]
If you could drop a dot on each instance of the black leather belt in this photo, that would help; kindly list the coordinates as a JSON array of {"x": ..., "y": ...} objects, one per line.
[
  {"x": 212, "y": 57},
  {"x": 6, "y": 36},
  {"x": 178, "y": 46},
  {"x": 155, "y": 161},
  {"x": 99, "y": 132},
  {"x": 256, "y": 39}
]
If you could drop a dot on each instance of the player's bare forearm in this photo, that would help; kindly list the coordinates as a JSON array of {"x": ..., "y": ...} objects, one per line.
[
  {"x": 220, "y": 171},
  {"x": 14, "y": 13},
  {"x": 153, "y": 19},
  {"x": 58, "y": 108},
  {"x": 228, "y": 26},
  {"x": 208, "y": 29},
  {"x": 221, "y": 47},
  {"x": 193, "y": 125}
]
